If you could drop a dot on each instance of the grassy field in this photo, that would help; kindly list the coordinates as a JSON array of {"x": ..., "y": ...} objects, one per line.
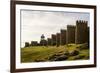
[{"x": 54, "y": 53}]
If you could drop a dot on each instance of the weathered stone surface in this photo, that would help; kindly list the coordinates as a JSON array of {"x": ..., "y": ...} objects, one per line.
[
  {"x": 63, "y": 37},
  {"x": 81, "y": 32},
  {"x": 58, "y": 39},
  {"x": 43, "y": 42},
  {"x": 70, "y": 34},
  {"x": 61, "y": 58},
  {"x": 39, "y": 60},
  {"x": 34, "y": 43},
  {"x": 53, "y": 39},
  {"x": 74, "y": 53},
  {"x": 78, "y": 34},
  {"x": 49, "y": 41},
  {"x": 27, "y": 44},
  {"x": 58, "y": 58}
]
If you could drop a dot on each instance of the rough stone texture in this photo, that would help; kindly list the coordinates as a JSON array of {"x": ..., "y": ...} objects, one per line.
[
  {"x": 27, "y": 44},
  {"x": 88, "y": 30},
  {"x": 43, "y": 42},
  {"x": 49, "y": 41},
  {"x": 58, "y": 39},
  {"x": 81, "y": 34},
  {"x": 61, "y": 58},
  {"x": 70, "y": 34},
  {"x": 74, "y": 53},
  {"x": 34, "y": 43},
  {"x": 58, "y": 57},
  {"x": 63, "y": 37},
  {"x": 53, "y": 39},
  {"x": 78, "y": 34}
]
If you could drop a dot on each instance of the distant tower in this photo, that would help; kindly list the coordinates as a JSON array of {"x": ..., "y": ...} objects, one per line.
[
  {"x": 63, "y": 37},
  {"x": 49, "y": 41},
  {"x": 42, "y": 37},
  {"x": 27, "y": 44},
  {"x": 53, "y": 36},
  {"x": 43, "y": 42},
  {"x": 81, "y": 34},
  {"x": 34, "y": 43},
  {"x": 58, "y": 38},
  {"x": 70, "y": 34}
]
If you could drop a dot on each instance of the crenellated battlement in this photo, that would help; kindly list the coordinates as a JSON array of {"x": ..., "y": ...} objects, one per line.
[
  {"x": 70, "y": 26},
  {"x": 81, "y": 22},
  {"x": 81, "y": 31},
  {"x": 77, "y": 34}
]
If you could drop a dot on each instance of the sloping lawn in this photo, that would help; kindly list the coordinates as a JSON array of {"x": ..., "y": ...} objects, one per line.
[{"x": 53, "y": 53}]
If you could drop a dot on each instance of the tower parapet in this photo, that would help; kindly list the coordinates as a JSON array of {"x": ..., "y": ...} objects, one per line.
[{"x": 81, "y": 32}]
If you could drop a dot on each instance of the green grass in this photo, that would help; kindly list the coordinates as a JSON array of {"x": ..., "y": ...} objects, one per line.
[{"x": 43, "y": 53}]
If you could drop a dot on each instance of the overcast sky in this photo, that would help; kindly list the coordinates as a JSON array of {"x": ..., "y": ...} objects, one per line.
[{"x": 36, "y": 23}]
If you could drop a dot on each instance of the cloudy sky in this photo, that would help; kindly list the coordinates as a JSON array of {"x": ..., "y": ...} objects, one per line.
[{"x": 36, "y": 23}]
